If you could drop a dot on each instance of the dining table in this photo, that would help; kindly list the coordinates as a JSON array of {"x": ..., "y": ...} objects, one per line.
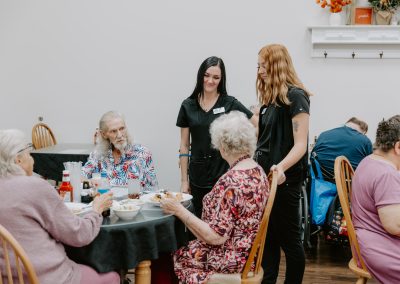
[
  {"x": 122, "y": 245},
  {"x": 49, "y": 161}
]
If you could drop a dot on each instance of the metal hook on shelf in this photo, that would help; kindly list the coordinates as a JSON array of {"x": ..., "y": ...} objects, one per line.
[
  {"x": 381, "y": 54},
  {"x": 325, "y": 54},
  {"x": 353, "y": 55}
]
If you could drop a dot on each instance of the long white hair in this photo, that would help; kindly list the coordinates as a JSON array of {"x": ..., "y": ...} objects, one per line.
[{"x": 104, "y": 145}]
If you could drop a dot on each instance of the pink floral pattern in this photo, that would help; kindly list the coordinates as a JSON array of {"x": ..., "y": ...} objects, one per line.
[{"x": 233, "y": 208}]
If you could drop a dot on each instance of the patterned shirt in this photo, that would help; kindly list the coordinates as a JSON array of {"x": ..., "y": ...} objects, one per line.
[
  {"x": 135, "y": 163},
  {"x": 233, "y": 209}
]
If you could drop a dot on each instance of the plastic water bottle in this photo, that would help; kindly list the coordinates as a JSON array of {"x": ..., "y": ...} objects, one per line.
[{"x": 104, "y": 187}]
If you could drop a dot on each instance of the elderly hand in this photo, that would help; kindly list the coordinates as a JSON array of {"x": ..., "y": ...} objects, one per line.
[
  {"x": 281, "y": 174},
  {"x": 102, "y": 202},
  {"x": 171, "y": 206},
  {"x": 94, "y": 182}
]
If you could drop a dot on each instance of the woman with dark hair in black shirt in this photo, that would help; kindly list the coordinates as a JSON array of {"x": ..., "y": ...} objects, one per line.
[
  {"x": 282, "y": 145},
  {"x": 208, "y": 101}
]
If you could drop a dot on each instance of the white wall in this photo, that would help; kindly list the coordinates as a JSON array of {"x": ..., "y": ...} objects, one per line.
[{"x": 70, "y": 61}]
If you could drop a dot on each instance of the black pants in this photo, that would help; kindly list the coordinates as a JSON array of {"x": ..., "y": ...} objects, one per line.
[
  {"x": 198, "y": 194},
  {"x": 284, "y": 232}
]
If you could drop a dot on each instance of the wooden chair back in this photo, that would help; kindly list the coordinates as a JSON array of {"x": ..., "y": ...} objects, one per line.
[
  {"x": 343, "y": 176},
  {"x": 42, "y": 136},
  {"x": 8, "y": 245},
  {"x": 257, "y": 248}
]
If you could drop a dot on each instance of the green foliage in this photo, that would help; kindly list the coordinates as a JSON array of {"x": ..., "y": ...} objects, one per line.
[{"x": 384, "y": 5}]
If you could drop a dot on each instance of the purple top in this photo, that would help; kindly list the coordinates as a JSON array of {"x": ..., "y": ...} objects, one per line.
[
  {"x": 376, "y": 184},
  {"x": 38, "y": 219}
]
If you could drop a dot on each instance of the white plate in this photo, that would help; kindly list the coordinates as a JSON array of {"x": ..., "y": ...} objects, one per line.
[
  {"x": 78, "y": 208},
  {"x": 148, "y": 198}
]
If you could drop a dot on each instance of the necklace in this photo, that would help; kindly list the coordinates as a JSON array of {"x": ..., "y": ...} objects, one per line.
[
  {"x": 203, "y": 105},
  {"x": 239, "y": 160}
]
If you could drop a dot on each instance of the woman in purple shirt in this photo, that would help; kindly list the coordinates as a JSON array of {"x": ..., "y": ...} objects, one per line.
[
  {"x": 375, "y": 204},
  {"x": 37, "y": 217}
]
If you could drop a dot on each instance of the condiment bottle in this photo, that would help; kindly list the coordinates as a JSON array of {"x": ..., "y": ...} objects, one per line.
[
  {"x": 85, "y": 193},
  {"x": 66, "y": 190},
  {"x": 104, "y": 187}
]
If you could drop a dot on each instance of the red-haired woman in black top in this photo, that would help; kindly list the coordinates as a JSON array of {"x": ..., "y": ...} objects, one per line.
[{"x": 282, "y": 145}]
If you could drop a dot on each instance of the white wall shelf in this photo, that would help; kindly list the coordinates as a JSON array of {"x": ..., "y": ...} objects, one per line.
[{"x": 372, "y": 41}]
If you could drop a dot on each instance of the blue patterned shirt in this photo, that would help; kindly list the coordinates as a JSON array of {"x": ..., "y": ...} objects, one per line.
[{"x": 135, "y": 163}]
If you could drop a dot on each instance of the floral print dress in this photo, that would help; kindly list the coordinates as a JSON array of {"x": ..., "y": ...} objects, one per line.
[{"x": 234, "y": 209}]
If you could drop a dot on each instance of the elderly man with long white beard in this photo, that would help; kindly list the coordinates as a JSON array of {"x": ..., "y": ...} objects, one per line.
[{"x": 117, "y": 155}]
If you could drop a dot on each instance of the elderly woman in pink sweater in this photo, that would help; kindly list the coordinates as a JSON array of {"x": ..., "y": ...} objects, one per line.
[{"x": 37, "y": 217}]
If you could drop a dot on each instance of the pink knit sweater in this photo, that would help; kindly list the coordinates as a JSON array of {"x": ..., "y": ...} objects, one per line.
[{"x": 35, "y": 215}]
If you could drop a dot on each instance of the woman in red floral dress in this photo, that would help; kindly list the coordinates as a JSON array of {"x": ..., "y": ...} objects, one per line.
[{"x": 232, "y": 211}]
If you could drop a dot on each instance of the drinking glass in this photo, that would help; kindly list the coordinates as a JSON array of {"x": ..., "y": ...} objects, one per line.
[{"x": 134, "y": 188}]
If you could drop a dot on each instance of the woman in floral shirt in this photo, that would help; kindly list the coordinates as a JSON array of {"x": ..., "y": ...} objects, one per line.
[{"x": 232, "y": 211}]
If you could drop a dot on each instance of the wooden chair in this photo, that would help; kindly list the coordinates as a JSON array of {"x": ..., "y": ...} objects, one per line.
[
  {"x": 257, "y": 249},
  {"x": 343, "y": 177},
  {"x": 8, "y": 241},
  {"x": 42, "y": 136}
]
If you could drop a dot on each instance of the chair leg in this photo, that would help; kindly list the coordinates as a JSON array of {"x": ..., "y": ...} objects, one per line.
[
  {"x": 143, "y": 272},
  {"x": 361, "y": 280}
]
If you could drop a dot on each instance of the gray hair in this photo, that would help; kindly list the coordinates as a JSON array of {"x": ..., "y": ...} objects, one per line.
[
  {"x": 234, "y": 133},
  {"x": 103, "y": 145},
  {"x": 11, "y": 142}
]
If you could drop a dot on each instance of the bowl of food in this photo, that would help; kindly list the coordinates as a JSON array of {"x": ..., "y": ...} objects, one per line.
[
  {"x": 128, "y": 201},
  {"x": 126, "y": 211}
]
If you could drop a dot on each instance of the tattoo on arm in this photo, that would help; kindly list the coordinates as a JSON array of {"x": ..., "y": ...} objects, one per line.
[{"x": 295, "y": 125}]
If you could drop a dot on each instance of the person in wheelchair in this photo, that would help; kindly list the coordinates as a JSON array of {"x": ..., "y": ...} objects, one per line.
[{"x": 348, "y": 140}]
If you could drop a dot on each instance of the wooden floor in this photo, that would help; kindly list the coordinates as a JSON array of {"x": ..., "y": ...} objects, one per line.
[{"x": 325, "y": 264}]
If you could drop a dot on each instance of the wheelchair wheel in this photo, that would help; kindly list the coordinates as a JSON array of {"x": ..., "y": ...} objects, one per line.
[{"x": 304, "y": 218}]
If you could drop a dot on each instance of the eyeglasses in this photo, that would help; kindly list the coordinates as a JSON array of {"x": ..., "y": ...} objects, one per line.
[{"x": 29, "y": 147}]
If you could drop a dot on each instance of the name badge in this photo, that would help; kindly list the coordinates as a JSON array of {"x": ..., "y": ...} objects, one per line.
[
  {"x": 264, "y": 110},
  {"x": 219, "y": 110}
]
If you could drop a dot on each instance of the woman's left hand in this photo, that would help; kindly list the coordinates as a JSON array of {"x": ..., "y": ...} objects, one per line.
[
  {"x": 170, "y": 206},
  {"x": 281, "y": 173}
]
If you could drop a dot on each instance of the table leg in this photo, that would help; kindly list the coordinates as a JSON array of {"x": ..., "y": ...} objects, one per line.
[{"x": 143, "y": 272}]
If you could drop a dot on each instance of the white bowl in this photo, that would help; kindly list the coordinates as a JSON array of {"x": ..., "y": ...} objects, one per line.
[
  {"x": 126, "y": 211},
  {"x": 136, "y": 202}
]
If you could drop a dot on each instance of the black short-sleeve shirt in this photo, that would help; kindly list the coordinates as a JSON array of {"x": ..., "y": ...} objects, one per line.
[
  {"x": 206, "y": 165},
  {"x": 275, "y": 138}
]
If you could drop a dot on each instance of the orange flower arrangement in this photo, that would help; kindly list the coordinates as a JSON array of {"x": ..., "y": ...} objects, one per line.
[{"x": 335, "y": 6}]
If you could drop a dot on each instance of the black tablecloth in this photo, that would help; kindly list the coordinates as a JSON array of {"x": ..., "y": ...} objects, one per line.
[
  {"x": 49, "y": 161},
  {"x": 123, "y": 244}
]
